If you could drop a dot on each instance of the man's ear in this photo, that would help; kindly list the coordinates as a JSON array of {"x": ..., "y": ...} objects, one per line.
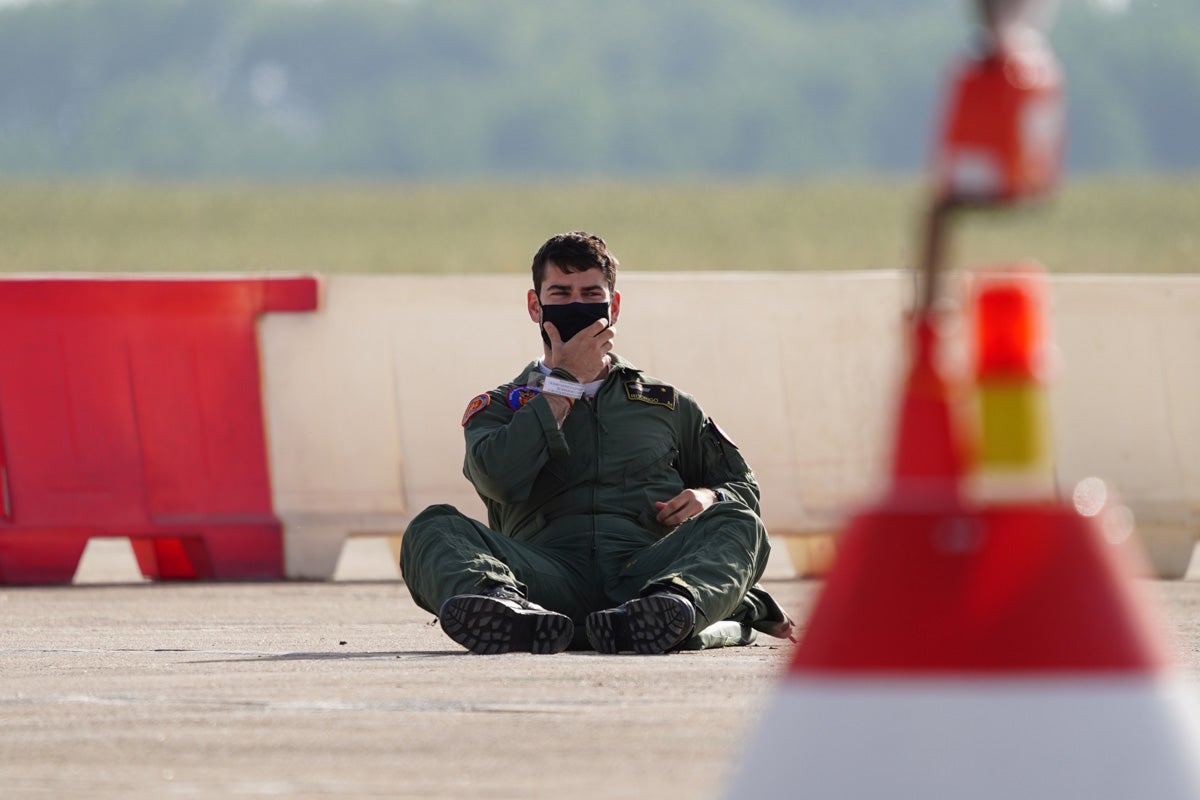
[
  {"x": 535, "y": 307},
  {"x": 614, "y": 308}
]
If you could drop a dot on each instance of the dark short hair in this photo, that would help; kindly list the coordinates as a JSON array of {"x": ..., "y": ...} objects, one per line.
[{"x": 575, "y": 251}]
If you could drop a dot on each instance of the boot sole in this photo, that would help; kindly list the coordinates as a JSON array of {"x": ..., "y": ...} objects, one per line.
[
  {"x": 646, "y": 625},
  {"x": 488, "y": 626}
]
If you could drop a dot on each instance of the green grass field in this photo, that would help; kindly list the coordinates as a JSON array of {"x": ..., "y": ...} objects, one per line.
[{"x": 1139, "y": 225}]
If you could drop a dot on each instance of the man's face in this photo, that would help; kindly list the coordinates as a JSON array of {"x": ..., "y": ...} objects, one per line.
[{"x": 560, "y": 287}]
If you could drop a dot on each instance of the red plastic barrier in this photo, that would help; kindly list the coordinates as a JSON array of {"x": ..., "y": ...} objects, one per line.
[{"x": 132, "y": 408}]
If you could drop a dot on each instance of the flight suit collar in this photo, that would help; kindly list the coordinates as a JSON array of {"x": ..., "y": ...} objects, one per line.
[{"x": 619, "y": 365}]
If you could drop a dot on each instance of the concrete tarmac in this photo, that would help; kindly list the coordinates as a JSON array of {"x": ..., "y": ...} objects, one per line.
[{"x": 118, "y": 688}]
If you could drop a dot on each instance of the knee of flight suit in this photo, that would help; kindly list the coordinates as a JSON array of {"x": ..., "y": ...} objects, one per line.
[
  {"x": 434, "y": 512},
  {"x": 429, "y": 523},
  {"x": 736, "y": 519}
]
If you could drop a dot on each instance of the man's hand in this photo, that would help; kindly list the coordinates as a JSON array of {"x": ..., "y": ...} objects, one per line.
[
  {"x": 684, "y": 506},
  {"x": 586, "y": 355}
]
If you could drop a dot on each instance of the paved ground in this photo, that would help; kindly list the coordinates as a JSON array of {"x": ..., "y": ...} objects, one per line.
[{"x": 344, "y": 688}]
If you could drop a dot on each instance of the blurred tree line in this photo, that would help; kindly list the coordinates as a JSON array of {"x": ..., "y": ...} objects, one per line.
[{"x": 452, "y": 89}]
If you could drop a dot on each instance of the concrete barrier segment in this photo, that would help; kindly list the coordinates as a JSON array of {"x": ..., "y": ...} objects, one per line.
[
  {"x": 789, "y": 365},
  {"x": 1124, "y": 403},
  {"x": 365, "y": 398}
]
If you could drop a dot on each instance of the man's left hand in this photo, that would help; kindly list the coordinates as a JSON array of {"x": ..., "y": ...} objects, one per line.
[{"x": 684, "y": 506}]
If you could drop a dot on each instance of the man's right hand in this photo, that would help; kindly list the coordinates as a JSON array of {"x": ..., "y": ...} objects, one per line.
[{"x": 586, "y": 354}]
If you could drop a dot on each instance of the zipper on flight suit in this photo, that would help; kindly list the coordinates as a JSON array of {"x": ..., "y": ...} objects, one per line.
[
  {"x": 594, "y": 407},
  {"x": 593, "y": 404}
]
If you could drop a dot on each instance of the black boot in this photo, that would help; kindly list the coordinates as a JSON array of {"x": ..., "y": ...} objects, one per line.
[
  {"x": 500, "y": 620},
  {"x": 657, "y": 623}
]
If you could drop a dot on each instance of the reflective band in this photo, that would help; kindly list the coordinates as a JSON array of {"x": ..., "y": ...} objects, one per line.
[{"x": 562, "y": 388}]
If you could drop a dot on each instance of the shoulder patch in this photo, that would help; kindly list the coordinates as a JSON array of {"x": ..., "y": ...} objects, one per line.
[
  {"x": 521, "y": 395},
  {"x": 655, "y": 394},
  {"x": 477, "y": 404}
]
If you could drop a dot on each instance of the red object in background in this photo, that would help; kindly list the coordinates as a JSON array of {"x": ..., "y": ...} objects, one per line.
[
  {"x": 1004, "y": 130},
  {"x": 1009, "y": 323},
  {"x": 132, "y": 408}
]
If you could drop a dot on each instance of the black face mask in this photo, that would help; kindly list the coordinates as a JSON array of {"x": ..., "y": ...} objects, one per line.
[{"x": 571, "y": 318}]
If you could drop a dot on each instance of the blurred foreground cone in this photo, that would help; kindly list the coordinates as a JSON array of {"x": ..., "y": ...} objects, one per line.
[{"x": 974, "y": 651}]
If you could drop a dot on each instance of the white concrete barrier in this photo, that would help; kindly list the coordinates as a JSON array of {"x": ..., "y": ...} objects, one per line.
[
  {"x": 364, "y": 398},
  {"x": 1126, "y": 401}
]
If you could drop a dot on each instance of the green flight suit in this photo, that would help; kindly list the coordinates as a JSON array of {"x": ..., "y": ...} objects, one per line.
[{"x": 571, "y": 515}]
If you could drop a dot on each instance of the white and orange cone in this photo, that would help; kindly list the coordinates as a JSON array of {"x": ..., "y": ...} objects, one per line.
[
  {"x": 998, "y": 654},
  {"x": 973, "y": 650}
]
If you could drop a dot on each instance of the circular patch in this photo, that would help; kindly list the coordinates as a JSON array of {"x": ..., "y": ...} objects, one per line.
[
  {"x": 522, "y": 395},
  {"x": 477, "y": 404}
]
